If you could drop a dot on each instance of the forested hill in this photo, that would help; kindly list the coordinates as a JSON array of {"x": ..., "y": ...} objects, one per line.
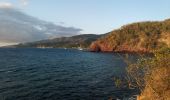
[
  {"x": 135, "y": 37},
  {"x": 64, "y": 42}
]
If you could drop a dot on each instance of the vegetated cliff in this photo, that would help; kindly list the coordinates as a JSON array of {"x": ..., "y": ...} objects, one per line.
[
  {"x": 83, "y": 41},
  {"x": 135, "y": 37},
  {"x": 151, "y": 76}
]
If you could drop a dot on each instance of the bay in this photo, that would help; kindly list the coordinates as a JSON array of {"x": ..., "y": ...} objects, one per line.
[{"x": 60, "y": 74}]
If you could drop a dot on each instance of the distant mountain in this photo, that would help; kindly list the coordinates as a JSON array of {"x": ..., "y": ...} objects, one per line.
[
  {"x": 135, "y": 37},
  {"x": 17, "y": 27},
  {"x": 64, "y": 42}
]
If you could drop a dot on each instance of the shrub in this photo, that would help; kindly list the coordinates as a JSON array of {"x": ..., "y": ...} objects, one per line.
[{"x": 152, "y": 76}]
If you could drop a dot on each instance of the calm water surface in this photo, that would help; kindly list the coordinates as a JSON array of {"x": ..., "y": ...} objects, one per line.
[{"x": 59, "y": 74}]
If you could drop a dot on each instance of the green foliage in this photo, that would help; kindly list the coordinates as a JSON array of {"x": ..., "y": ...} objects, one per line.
[
  {"x": 118, "y": 82},
  {"x": 65, "y": 42}
]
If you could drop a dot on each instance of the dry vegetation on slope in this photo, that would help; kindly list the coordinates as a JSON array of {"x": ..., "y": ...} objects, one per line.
[
  {"x": 152, "y": 76},
  {"x": 136, "y": 37}
]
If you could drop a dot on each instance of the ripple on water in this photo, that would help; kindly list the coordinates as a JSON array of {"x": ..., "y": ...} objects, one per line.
[{"x": 58, "y": 74}]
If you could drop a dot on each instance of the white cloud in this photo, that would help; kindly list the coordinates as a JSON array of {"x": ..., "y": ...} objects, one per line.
[
  {"x": 5, "y": 5},
  {"x": 8, "y": 4},
  {"x": 6, "y": 44},
  {"x": 24, "y": 2}
]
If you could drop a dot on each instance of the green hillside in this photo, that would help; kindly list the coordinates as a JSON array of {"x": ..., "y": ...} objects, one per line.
[{"x": 64, "y": 42}]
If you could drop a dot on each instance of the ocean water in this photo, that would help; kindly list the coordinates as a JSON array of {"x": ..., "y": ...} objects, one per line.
[{"x": 59, "y": 74}]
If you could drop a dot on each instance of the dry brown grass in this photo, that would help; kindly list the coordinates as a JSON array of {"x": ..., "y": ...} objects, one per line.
[
  {"x": 157, "y": 85},
  {"x": 152, "y": 76}
]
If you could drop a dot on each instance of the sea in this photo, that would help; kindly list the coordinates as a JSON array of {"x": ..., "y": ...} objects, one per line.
[{"x": 61, "y": 74}]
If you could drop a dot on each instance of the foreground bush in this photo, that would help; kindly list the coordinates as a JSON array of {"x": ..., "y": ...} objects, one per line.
[{"x": 151, "y": 76}]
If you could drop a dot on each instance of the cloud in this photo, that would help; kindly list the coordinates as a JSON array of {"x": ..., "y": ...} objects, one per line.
[
  {"x": 6, "y": 44},
  {"x": 18, "y": 27},
  {"x": 24, "y": 2},
  {"x": 8, "y": 4},
  {"x": 5, "y": 5}
]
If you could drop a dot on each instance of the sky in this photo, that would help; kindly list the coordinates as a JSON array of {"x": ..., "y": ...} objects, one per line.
[{"x": 94, "y": 16}]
